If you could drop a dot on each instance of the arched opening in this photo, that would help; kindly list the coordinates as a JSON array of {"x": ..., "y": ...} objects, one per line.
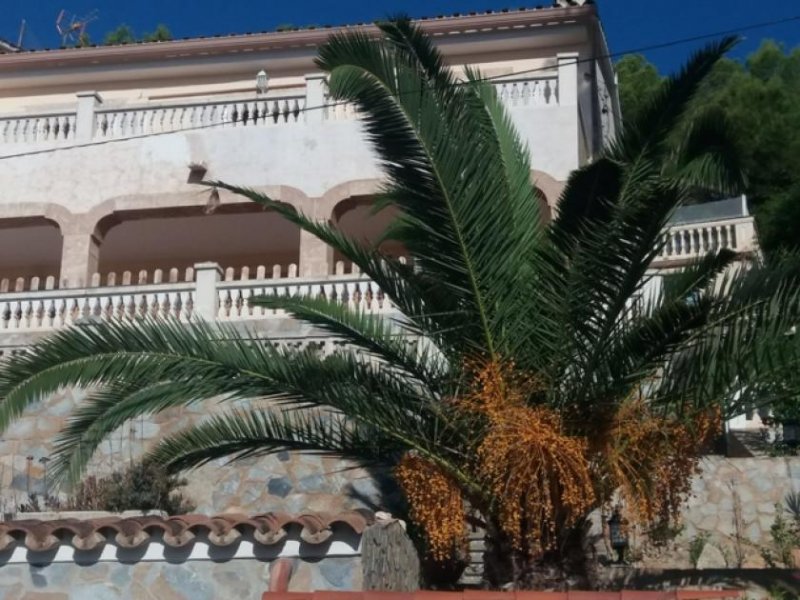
[
  {"x": 235, "y": 236},
  {"x": 545, "y": 210},
  {"x": 30, "y": 253},
  {"x": 356, "y": 217}
]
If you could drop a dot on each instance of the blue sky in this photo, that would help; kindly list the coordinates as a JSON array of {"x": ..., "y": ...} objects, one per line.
[{"x": 629, "y": 23}]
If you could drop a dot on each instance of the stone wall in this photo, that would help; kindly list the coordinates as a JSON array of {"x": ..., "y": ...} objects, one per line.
[
  {"x": 288, "y": 482},
  {"x": 190, "y": 580},
  {"x": 733, "y": 503}
]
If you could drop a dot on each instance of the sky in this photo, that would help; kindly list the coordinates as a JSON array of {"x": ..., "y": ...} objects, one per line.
[{"x": 629, "y": 24}]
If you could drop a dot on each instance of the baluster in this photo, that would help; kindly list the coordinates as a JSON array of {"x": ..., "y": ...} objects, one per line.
[
  {"x": 276, "y": 271},
  {"x": 261, "y": 272},
  {"x": 238, "y": 303},
  {"x": 734, "y": 238},
  {"x": 96, "y": 308},
  {"x": 95, "y": 280},
  {"x": 158, "y": 276},
  {"x": 175, "y": 304},
  {"x": 187, "y": 305},
  {"x": 128, "y": 307},
  {"x": 5, "y": 314},
  {"x": 50, "y": 312},
  {"x": 108, "y": 309}
]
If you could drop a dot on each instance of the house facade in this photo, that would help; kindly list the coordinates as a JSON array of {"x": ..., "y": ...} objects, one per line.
[{"x": 100, "y": 215}]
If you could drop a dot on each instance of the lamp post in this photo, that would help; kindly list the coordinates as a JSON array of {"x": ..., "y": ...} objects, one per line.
[
  {"x": 262, "y": 83},
  {"x": 618, "y": 535}
]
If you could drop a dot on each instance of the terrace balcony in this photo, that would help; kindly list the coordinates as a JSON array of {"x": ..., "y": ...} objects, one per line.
[{"x": 31, "y": 307}]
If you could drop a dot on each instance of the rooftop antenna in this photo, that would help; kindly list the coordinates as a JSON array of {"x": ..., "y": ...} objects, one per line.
[
  {"x": 21, "y": 35},
  {"x": 72, "y": 27}
]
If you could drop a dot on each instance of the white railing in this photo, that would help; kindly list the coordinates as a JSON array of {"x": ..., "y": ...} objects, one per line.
[
  {"x": 540, "y": 91},
  {"x": 53, "y": 309},
  {"x": 126, "y": 122},
  {"x": 92, "y": 120},
  {"x": 223, "y": 299},
  {"x": 696, "y": 239},
  {"x": 38, "y": 128},
  {"x": 354, "y": 291}
]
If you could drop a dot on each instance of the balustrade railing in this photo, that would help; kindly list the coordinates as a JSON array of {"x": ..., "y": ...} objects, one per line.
[
  {"x": 126, "y": 122},
  {"x": 98, "y": 121},
  {"x": 32, "y": 129},
  {"x": 541, "y": 91},
  {"x": 178, "y": 294},
  {"x": 696, "y": 239}
]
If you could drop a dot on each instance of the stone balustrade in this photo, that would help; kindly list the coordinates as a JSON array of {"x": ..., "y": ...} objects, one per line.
[
  {"x": 114, "y": 123},
  {"x": 528, "y": 91},
  {"x": 91, "y": 119},
  {"x": 693, "y": 240},
  {"x": 51, "y": 128},
  {"x": 203, "y": 291}
]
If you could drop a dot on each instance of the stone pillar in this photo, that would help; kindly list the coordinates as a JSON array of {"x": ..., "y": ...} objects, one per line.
[
  {"x": 568, "y": 101},
  {"x": 316, "y": 257},
  {"x": 315, "y": 97},
  {"x": 80, "y": 254},
  {"x": 567, "y": 78},
  {"x": 206, "y": 297},
  {"x": 85, "y": 119}
]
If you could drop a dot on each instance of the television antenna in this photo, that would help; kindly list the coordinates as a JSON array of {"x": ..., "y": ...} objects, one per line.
[{"x": 71, "y": 27}]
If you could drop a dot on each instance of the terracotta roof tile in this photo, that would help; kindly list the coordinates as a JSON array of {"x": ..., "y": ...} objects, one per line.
[{"x": 131, "y": 532}]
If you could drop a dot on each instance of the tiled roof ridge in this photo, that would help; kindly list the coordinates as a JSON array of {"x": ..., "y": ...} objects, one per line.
[
  {"x": 553, "y": 4},
  {"x": 176, "y": 531}
]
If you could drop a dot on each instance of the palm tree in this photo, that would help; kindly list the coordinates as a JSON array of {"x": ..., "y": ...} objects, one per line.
[{"x": 532, "y": 369}]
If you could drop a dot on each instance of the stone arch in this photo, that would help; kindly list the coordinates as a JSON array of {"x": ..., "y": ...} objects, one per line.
[
  {"x": 244, "y": 238},
  {"x": 550, "y": 189},
  {"x": 31, "y": 248}
]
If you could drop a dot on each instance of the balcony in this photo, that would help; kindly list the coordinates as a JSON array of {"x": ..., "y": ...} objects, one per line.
[
  {"x": 698, "y": 229},
  {"x": 90, "y": 120},
  {"x": 205, "y": 290}
]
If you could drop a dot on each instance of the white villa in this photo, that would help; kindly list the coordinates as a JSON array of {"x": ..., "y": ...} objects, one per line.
[{"x": 100, "y": 216}]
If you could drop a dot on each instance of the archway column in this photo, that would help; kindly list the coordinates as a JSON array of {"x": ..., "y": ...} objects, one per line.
[
  {"x": 316, "y": 257},
  {"x": 80, "y": 255}
]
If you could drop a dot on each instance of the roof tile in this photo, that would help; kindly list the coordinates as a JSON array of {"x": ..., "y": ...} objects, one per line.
[{"x": 131, "y": 532}]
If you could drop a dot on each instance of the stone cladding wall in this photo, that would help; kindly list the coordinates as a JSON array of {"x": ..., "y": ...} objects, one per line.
[{"x": 191, "y": 580}]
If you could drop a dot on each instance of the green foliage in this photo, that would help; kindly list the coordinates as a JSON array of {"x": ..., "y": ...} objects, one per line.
[
  {"x": 144, "y": 486},
  {"x": 696, "y": 547},
  {"x": 123, "y": 34},
  {"x": 759, "y": 99},
  {"x": 160, "y": 34},
  {"x": 638, "y": 80},
  {"x": 785, "y": 536}
]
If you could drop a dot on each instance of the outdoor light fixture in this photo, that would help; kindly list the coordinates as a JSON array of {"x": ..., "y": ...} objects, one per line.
[
  {"x": 618, "y": 535},
  {"x": 262, "y": 83}
]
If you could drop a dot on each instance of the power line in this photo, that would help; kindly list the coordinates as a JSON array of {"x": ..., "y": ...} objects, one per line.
[{"x": 668, "y": 44}]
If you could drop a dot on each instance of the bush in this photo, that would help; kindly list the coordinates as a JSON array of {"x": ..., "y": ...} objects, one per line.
[{"x": 143, "y": 486}]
